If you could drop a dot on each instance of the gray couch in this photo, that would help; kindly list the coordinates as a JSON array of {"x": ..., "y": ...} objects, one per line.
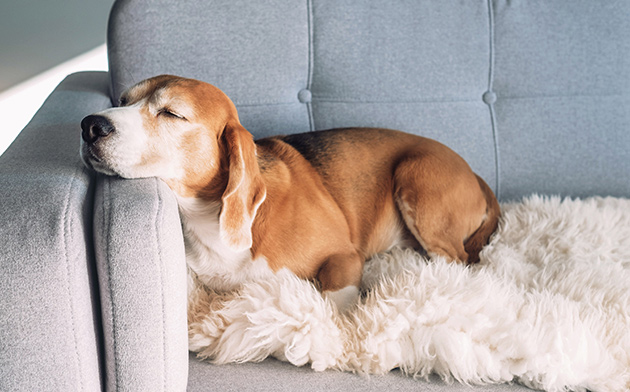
[{"x": 535, "y": 94}]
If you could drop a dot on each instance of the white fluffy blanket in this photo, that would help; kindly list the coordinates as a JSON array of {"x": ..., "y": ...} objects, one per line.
[{"x": 548, "y": 307}]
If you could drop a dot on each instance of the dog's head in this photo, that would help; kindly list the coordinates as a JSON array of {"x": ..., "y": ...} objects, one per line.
[{"x": 187, "y": 133}]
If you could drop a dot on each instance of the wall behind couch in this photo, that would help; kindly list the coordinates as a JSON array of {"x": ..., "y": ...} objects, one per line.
[{"x": 36, "y": 35}]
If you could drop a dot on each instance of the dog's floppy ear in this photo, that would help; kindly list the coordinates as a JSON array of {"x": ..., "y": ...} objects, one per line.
[{"x": 245, "y": 189}]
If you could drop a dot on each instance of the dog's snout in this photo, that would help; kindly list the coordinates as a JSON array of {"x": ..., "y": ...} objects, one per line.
[{"x": 95, "y": 127}]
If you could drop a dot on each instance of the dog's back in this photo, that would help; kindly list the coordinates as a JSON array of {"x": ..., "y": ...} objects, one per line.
[{"x": 358, "y": 168}]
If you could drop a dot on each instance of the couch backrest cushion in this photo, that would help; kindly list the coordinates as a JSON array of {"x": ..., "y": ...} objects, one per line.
[
  {"x": 534, "y": 94},
  {"x": 562, "y": 77}
]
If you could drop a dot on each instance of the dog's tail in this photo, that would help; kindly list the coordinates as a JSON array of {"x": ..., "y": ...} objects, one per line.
[{"x": 481, "y": 236}]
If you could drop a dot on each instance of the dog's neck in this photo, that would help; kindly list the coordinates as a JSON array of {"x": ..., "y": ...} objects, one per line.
[{"x": 214, "y": 264}]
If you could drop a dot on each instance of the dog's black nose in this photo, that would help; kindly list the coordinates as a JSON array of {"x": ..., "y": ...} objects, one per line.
[{"x": 95, "y": 127}]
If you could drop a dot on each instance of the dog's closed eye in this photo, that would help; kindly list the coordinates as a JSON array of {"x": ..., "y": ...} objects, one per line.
[{"x": 170, "y": 113}]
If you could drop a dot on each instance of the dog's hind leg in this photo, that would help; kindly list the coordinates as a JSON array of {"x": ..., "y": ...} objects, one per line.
[{"x": 441, "y": 203}]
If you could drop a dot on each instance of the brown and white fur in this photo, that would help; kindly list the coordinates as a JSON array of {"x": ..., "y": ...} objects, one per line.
[{"x": 318, "y": 204}]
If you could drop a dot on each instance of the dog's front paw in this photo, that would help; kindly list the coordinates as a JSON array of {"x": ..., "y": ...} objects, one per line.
[{"x": 344, "y": 298}]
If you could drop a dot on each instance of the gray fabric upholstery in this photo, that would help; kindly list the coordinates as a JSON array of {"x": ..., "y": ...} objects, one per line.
[
  {"x": 49, "y": 311},
  {"x": 275, "y": 376},
  {"x": 562, "y": 78},
  {"x": 534, "y": 94},
  {"x": 142, "y": 276}
]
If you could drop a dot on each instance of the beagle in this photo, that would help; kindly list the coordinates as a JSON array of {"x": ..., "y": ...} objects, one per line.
[{"x": 318, "y": 204}]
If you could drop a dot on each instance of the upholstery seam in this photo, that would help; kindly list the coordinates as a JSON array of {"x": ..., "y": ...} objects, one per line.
[
  {"x": 556, "y": 96},
  {"x": 391, "y": 101},
  {"x": 107, "y": 229},
  {"x": 309, "y": 77},
  {"x": 97, "y": 304},
  {"x": 158, "y": 221},
  {"x": 493, "y": 119},
  {"x": 265, "y": 102},
  {"x": 324, "y": 98},
  {"x": 67, "y": 224}
]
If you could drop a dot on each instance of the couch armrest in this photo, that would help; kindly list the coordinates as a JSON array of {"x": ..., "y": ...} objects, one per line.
[
  {"x": 142, "y": 273},
  {"x": 49, "y": 312}
]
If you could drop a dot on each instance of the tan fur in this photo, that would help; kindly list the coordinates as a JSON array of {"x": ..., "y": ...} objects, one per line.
[{"x": 319, "y": 210}]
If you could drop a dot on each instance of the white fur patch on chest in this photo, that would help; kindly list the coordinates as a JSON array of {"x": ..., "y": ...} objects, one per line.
[{"x": 215, "y": 264}]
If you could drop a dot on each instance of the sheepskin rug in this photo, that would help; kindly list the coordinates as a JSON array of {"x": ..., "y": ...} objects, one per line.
[{"x": 547, "y": 307}]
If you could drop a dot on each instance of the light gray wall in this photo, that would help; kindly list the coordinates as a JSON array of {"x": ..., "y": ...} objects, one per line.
[{"x": 36, "y": 35}]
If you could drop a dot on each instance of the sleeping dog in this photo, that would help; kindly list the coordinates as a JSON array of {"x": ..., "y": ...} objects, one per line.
[{"x": 318, "y": 203}]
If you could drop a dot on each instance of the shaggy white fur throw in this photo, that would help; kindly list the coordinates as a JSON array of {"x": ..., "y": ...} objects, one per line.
[{"x": 548, "y": 307}]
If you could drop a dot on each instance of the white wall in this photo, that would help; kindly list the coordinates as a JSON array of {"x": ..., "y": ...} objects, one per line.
[
  {"x": 41, "y": 41},
  {"x": 19, "y": 104},
  {"x": 36, "y": 35}
]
